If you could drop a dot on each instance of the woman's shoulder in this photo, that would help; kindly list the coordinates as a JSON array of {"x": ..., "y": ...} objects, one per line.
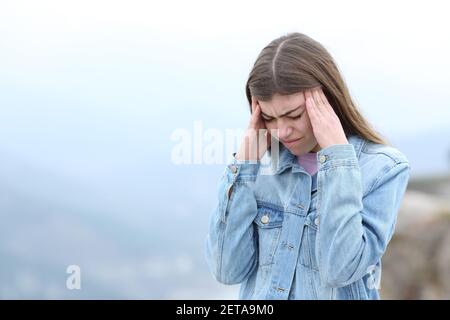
[
  {"x": 380, "y": 162},
  {"x": 386, "y": 154}
]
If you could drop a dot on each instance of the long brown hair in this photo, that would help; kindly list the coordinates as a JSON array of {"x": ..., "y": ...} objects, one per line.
[{"x": 295, "y": 62}]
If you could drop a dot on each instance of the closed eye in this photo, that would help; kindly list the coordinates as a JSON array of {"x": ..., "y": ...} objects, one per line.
[
  {"x": 290, "y": 117},
  {"x": 297, "y": 116}
]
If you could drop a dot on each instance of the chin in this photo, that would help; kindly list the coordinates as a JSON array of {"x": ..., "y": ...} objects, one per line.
[
  {"x": 295, "y": 150},
  {"x": 299, "y": 150}
]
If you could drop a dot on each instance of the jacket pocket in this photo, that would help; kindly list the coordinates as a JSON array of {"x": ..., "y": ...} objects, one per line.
[
  {"x": 308, "y": 247},
  {"x": 307, "y": 254},
  {"x": 268, "y": 224}
]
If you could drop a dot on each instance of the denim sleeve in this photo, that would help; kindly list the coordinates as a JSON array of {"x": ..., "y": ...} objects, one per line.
[
  {"x": 354, "y": 229},
  {"x": 231, "y": 246}
]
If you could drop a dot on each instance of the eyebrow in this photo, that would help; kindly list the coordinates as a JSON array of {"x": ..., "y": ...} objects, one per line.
[{"x": 284, "y": 114}]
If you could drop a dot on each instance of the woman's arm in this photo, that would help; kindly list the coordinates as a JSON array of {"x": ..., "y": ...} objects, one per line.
[
  {"x": 354, "y": 229},
  {"x": 231, "y": 245}
]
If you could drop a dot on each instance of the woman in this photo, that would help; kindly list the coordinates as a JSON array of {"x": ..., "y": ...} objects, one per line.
[{"x": 317, "y": 225}]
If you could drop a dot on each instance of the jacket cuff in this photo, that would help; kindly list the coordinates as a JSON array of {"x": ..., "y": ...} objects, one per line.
[
  {"x": 242, "y": 168},
  {"x": 337, "y": 155}
]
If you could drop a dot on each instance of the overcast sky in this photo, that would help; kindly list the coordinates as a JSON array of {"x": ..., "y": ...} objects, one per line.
[{"x": 77, "y": 74}]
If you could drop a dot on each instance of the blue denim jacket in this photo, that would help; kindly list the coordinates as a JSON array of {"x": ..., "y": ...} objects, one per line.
[{"x": 289, "y": 235}]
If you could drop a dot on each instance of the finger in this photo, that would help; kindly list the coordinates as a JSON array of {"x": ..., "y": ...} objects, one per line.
[
  {"x": 307, "y": 94},
  {"x": 255, "y": 115},
  {"x": 312, "y": 112},
  {"x": 314, "y": 105},
  {"x": 255, "y": 112},
  {"x": 318, "y": 101},
  {"x": 327, "y": 104},
  {"x": 253, "y": 104},
  {"x": 322, "y": 96},
  {"x": 309, "y": 97}
]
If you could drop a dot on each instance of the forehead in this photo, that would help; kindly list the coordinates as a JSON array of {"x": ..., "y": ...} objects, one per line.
[{"x": 282, "y": 103}]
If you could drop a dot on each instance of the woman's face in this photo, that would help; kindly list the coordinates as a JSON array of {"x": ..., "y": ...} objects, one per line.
[{"x": 287, "y": 114}]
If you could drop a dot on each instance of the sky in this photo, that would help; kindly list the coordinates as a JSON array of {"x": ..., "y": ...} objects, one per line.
[{"x": 392, "y": 54}]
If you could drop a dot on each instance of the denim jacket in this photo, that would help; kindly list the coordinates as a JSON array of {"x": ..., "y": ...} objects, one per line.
[{"x": 289, "y": 235}]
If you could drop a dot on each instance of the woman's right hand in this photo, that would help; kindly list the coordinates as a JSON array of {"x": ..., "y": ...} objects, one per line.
[{"x": 256, "y": 139}]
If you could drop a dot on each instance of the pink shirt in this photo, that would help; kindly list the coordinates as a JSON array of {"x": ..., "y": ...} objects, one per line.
[{"x": 309, "y": 162}]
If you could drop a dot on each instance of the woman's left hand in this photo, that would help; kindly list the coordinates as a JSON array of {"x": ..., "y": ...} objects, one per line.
[{"x": 325, "y": 123}]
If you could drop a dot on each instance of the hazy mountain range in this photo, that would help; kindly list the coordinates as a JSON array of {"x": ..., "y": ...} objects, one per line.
[{"x": 141, "y": 237}]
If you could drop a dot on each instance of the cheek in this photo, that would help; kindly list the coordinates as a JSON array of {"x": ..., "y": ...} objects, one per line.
[
  {"x": 307, "y": 125},
  {"x": 302, "y": 125}
]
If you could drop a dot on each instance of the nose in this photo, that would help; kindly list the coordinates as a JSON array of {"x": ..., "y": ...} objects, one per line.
[{"x": 284, "y": 131}]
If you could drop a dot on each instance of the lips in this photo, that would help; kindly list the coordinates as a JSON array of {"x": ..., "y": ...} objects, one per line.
[{"x": 290, "y": 141}]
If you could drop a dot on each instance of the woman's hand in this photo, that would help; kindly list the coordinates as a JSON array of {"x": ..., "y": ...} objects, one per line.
[
  {"x": 325, "y": 123},
  {"x": 256, "y": 139}
]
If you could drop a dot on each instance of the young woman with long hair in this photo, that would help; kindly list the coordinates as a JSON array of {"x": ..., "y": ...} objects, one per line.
[{"x": 317, "y": 225}]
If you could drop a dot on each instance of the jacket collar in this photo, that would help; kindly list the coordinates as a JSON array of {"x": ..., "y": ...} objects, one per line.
[{"x": 289, "y": 160}]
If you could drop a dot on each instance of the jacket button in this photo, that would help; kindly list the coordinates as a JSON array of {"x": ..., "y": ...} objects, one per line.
[
  {"x": 233, "y": 169},
  {"x": 316, "y": 221},
  {"x": 322, "y": 159},
  {"x": 265, "y": 219}
]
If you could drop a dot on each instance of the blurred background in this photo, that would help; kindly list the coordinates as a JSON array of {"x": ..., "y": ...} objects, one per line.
[{"x": 91, "y": 93}]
